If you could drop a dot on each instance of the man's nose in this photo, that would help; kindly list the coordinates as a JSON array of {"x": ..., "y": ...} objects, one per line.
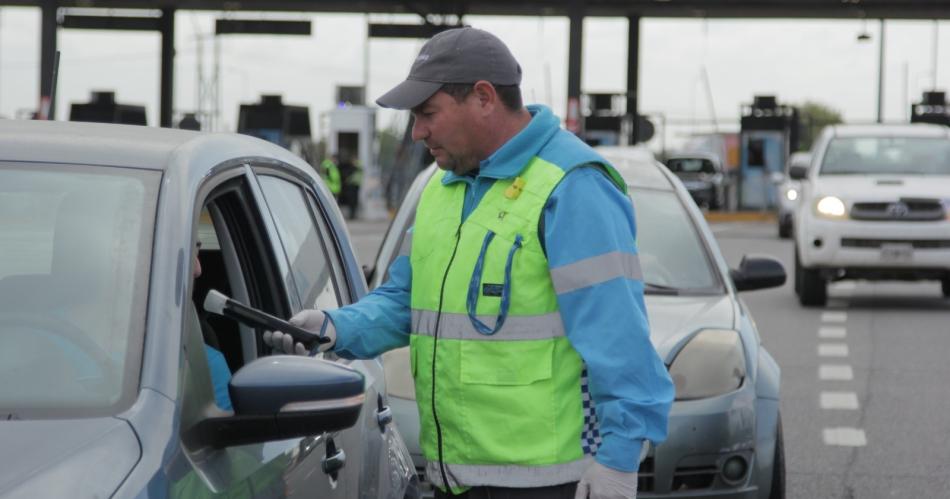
[{"x": 419, "y": 132}]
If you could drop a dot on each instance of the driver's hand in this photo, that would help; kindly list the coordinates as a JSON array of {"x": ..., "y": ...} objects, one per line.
[{"x": 312, "y": 320}]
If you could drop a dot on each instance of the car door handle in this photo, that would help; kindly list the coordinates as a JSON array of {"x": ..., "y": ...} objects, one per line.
[
  {"x": 384, "y": 415},
  {"x": 334, "y": 460}
]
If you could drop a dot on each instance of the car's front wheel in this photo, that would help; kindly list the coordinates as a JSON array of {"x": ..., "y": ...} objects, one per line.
[
  {"x": 811, "y": 287},
  {"x": 778, "y": 464},
  {"x": 784, "y": 227},
  {"x": 945, "y": 286}
]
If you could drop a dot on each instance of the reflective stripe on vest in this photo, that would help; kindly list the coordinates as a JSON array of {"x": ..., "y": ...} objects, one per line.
[
  {"x": 508, "y": 475},
  {"x": 459, "y": 326}
]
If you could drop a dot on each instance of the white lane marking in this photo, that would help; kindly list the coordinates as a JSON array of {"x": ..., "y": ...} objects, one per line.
[
  {"x": 832, "y": 332},
  {"x": 835, "y": 372},
  {"x": 834, "y": 316},
  {"x": 832, "y": 350},
  {"x": 843, "y": 436},
  {"x": 839, "y": 400}
]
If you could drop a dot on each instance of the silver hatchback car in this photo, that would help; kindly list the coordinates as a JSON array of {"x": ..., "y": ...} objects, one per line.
[
  {"x": 725, "y": 433},
  {"x": 114, "y": 382}
]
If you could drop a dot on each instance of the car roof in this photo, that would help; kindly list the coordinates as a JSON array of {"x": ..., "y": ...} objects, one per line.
[
  {"x": 127, "y": 145},
  {"x": 900, "y": 130},
  {"x": 637, "y": 166}
]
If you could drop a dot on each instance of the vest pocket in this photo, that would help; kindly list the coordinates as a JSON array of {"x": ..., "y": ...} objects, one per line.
[{"x": 505, "y": 362}]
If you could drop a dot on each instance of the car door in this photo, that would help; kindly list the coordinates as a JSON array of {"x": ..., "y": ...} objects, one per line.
[
  {"x": 238, "y": 257},
  {"x": 315, "y": 269}
]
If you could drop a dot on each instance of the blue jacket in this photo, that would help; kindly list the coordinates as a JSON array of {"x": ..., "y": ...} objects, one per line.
[{"x": 585, "y": 217}]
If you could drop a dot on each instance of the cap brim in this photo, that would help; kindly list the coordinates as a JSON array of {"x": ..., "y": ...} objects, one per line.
[{"x": 408, "y": 94}]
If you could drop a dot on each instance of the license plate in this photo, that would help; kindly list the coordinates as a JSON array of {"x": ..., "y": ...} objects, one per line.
[{"x": 897, "y": 252}]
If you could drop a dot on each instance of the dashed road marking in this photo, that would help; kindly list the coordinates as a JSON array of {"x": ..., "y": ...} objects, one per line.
[
  {"x": 832, "y": 332},
  {"x": 839, "y": 400},
  {"x": 835, "y": 372},
  {"x": 832, "y": 349},
  {"x": 834, "y": 316},
  {"x": 844, "y": 436}
]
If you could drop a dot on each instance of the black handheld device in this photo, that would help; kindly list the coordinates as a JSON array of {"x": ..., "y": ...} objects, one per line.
[{"x": 220, "y": 304}]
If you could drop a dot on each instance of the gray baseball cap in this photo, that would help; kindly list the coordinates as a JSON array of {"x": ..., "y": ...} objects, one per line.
[{"x": 460, "y": 55}]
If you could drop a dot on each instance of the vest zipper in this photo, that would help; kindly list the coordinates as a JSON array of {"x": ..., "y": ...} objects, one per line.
[{"x": 435, "y": 345}]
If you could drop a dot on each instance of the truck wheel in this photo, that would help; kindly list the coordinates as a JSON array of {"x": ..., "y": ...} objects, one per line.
[
  {"x": 784, "y": 228},
  {"x": 945, "y": 286},
  {"x": 811, "y": 287}
]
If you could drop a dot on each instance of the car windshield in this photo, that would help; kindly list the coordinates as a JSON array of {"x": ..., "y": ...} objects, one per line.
[
  {"x": 690, "y": 165},
  {"x": 75, "y": 244},
  {"x": 887, "y": 155},
  {"x": 672, "y": 254}
]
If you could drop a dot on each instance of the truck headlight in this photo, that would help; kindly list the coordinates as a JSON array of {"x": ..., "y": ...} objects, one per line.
[
  {"x": 712, "y": 363},
  {"x": 791, "y": 194},
  {"x": 830, "y": 207}
]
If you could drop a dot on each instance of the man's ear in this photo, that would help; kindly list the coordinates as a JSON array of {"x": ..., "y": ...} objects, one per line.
[{"x": 486, "y": 95}]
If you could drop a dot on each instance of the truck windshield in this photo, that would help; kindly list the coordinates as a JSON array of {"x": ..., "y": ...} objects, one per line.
[
  {"x": 76, "y": 245},
  {"x": 887, "y": 155}
]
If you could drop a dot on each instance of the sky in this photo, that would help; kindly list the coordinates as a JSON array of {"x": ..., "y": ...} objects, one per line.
[{"x": 795, "y": 60}]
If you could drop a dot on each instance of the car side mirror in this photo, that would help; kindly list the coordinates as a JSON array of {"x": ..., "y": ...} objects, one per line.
[
  {"x": 758, "y": 272},
  {"x": 798, "y": 172},
  {"x": 284, "y": 396}
]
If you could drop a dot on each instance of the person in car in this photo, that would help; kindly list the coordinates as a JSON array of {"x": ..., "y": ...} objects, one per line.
[
  {"x": 217, "y": 364},
  {"x": 519, "y": 291}
]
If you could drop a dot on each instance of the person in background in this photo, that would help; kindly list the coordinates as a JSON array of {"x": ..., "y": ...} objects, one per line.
[
  {"x": 331, "y": 175},
  {"x": 519, "y": 291}
]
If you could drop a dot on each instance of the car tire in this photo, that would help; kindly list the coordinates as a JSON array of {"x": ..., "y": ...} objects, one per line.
[
  {"x": 945, "y": 286},
  {"x": 777, "y": 490},
  {"x": 810, "y": 286}
]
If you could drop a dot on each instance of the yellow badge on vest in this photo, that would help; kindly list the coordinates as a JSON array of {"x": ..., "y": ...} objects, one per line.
[{"x": 514, "y": 190}]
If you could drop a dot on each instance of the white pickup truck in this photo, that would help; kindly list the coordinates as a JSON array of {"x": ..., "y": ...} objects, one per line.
[{"x": 875, "y": 204}]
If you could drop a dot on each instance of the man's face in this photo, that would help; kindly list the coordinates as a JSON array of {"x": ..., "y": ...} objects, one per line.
[{"x": 449, "y": 129}]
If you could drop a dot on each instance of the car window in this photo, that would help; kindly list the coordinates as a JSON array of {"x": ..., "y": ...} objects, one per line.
[
  {"x": 310, "y": 270},
  {"x": 672, "y": 253},
  {"x": 691, "y": 165},
  {"x": 76, "y": 245},
  {"x": 887, "y": 155}
]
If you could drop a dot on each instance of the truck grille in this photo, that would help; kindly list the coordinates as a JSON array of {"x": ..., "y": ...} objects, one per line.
[
  {"x": 852, "y": 242},
  {"x": 906, "y": 210}
]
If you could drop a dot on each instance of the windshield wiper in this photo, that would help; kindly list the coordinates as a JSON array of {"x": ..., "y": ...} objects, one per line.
[{"x": 660, "y": 289}]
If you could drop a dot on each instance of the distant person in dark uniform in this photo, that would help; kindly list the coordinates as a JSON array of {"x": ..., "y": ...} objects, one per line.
[{"x": 351, "y": 174}]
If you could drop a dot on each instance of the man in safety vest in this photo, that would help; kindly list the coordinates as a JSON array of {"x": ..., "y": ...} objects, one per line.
[
  {"x": 519, "y": 292},
  {"x": 331, "y": 175}
]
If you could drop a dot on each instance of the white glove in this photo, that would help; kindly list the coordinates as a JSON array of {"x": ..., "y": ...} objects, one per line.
[
  {"x": 312, "y": 320},
  {"x": 601, "y": 482}
]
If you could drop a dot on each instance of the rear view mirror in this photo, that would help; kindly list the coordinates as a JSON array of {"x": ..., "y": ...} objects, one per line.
[
  {"x": 758, "y": 272},
  {"x": 798, "y": 172},
  {"x": 285, "y": 396}
]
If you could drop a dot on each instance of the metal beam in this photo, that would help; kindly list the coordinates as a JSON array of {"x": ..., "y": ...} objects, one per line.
[
  {"x": 167, "y": 98},
  {"x": 139, "y": 23},
  {"x": 407, "y": 30},
  {"x": 47, "y": 105},
  {"x": 261, "y": 27},
  {"x": 633, "y": 76},
  {"x": 574, "y": 117}
]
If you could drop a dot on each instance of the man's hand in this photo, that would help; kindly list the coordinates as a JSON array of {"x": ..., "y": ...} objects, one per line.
[
  {"x": 312, "y": 320},
  {"x": 601, "y": 482}
]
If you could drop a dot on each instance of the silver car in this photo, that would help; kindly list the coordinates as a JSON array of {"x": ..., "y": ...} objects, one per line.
[
  {"x": 725, "y": 433},
  {"x": 114, "y": 382}
]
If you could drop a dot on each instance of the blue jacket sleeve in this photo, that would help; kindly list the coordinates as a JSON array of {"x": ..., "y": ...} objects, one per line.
[
  {"x": 590, "y": 239},
  {"x": 380, "y": 321}
]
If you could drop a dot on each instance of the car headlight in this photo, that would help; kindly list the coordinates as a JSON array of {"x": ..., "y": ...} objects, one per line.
[
  {"x": 712, "y": 363},
  {"x": 791, "y": 194},
  {"x": 830, "y": 207}
]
